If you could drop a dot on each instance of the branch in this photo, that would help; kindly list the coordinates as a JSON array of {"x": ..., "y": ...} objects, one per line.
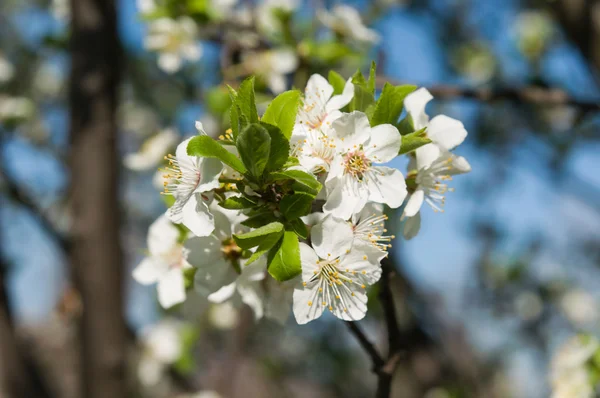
[
  {"x": 534, "y": 95},
  {"x": 366, "y": 345}
]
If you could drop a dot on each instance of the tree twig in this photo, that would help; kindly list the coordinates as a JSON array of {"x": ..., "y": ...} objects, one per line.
[
  {"x": 534, "y": 95},
  {"x": 366, "y": 345}
]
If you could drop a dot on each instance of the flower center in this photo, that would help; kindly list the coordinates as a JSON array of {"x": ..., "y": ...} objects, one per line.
[
  {"x": 356, "y": 164},
  {"x": 231, "y": 251}
]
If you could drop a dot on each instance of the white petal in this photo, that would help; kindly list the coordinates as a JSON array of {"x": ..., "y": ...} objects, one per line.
[
  {"x": 253, "y": 296},
  {"x": 341, "y": 100},
  {"x": 276, "y": 83},
  {"x": 313, "y": 218},
  {"x": 162, "y": 236},
  {"x": 446, "y": 132},
  {"x": 171, "y": 288},
  {"x": 209, "y": 278},
  {"x": 204, "y": 251},
  {"x": 303, "y": 312},
  {"x": 210, "y": 169},
  {"x": 283, "y": 61},
  {"x": 386, "y": 185},
  {"x": 459, "y": 165},
  {"x": 384, "y": 144},
  {"x": 353, "y": 128},
  {"x": 192, "y": 52},
  {"x": 318, "y": 89},
  {"x": 169, "y": 62},
  {"x": 413, "y": 205},
  {"x": 364, "y": 263},
  {"x": 308, "y": 258},
  {"x": 279, "y": 300},
  {"x": 412, "y": 226},
  {"x": 332, "y": 237},
  {"x": 150, "y": 271},
  {"x": 426, "y": 155},
  {"x": 197, "y": 217},
  {"x": 223, "y": 294},
  {"x": 350, "y": 307},
  {"x": 415, "y": 103},
  {"x": 346, "y": 197}
]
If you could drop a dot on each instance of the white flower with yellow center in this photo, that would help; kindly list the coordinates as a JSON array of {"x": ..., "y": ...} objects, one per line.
[
  {"x": 428, "y": 184},
  {"x": 152, "y": 151},
  {"x": 445, "y": 132},
  {"x": 187, "y": 178},
  {"x": 354, "y": 178},
  {"x": 369, "y": 230},
  {"x": 221, "y": 272},
  {"x": 175, "y": 40},
  {"x": 335, "y": 275},
  {"x": 346, "y": 21},
  {"x": 165, "y": 264}
]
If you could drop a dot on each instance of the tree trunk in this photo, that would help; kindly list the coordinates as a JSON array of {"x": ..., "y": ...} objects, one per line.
[{"x": 96, "y": 256}]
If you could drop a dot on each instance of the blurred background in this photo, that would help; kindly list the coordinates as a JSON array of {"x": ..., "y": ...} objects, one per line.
[{"x": 484, "y": 294}]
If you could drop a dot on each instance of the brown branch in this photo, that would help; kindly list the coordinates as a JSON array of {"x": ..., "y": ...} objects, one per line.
[
  {"x": 534, "y": 95},
  {"x": 366, "y": 345}
]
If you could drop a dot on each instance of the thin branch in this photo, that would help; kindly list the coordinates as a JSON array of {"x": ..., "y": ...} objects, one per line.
[
  {"x": 534, "y": 95},
  {"x": 366, "y": 345}
]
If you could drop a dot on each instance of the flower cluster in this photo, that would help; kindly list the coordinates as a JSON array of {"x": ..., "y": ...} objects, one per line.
[
  {"x": 288, "y": 210},
  {"x": 574, "y": 368}
]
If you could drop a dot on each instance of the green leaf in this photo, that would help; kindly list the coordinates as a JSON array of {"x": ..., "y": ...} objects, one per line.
[
  {"x": 371, "y": 81},
  {"x": 282, "y": 111},
  {"x": 299, "y": 228},
  {"x": 279, "y": 150},
  {"x": 337, "y": 81},
  {"x": 218, "y": 100},
  {"x": 303, "y": 182},
  {"x": 284, "y": 258},
  {"x": 296, "y": 205},
  {"x": 236, "y": 203},
  {"x": 254, "y": 146},
  {"x": 261, "y": 250},
  {"x": 205, "y": 146},
  {"x": 234, "y": 114},
  {"x": 259, "y": 219},
  {"x": 405, "y": 126},
  {"x": 413, "y": 141},
  {"x": 327, "y": 52},
  {"x": 260, "y": 236},
  {"x": 291, "y": 162},
  {"x": 245, "y": 100},
  {"x": 390, "y": 103},
  {"x": 362, "y": 96}
]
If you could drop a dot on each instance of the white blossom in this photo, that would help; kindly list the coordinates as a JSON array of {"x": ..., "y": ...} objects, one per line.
[
  {"x": 265, "y": 12},
  {"x": 569, "y": 374},
  {"x": 175, "y": 40},
  {"x": 152, "y": 151},
  {"x": 354, "y": 178},
  {"x": 16, "y": 108},
  {"x": 580, "y": 307},
  {"x": 162, "y": 346},
  {"x": 165, "y": 263},
  {"x": 7, "y": 70},
  {"x": 272, "y": 66},
  {"x": 187, "y": 178},
  {"x": 368, "y": 227},
  {"x": 334, "y": 274},
  {"x": 445, "y": 132},
  {"x": 346, "y": 21}
]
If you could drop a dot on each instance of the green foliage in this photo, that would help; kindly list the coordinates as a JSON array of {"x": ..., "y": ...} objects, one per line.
[
  {"x": 337, "y": 81},
  {"x": 282, "y": 111},
  {"x": 302, "y": 181},
  {"x": 237, "y": 203},
  {"x": 326, "y": 52},
  {"x": 280, "y": 148},
  {"x": 299, "y": 228},
  {"x": 254, "y": 146},
  {"x": 390, "y": 103},
  {"x": 413, "y": 141},
  {"x": 205, "y": 146},
  {"x": 218, "y": 100},
  {"x": 364, "y": 96},
  {"x": 260, "y": 236},
  {"x": 296, "y": 205},
  {"x": 284, "y": 258}
]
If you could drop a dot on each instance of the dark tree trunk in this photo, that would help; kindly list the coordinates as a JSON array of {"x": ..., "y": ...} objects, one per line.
[{"x": 96, "y": 256}]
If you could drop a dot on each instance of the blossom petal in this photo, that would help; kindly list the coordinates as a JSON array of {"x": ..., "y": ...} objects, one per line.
[
  {"x": 384, "y": 144},
  {"x": 412, "y": 226},
  {"x": 197, "y": 217},
  {"x": 210, "y": 169},
  {"x": 339, "y": 101},
  {"x": 223, "y": 294},
  {"x": 446, "y": 132},
  {"x": 278, "y": 302},
  {"x": 366, "y": 270},
  {"x": 149, "y": 271},
  {"x": 253, "y": 296},
  {"x": 351, "y": 305},
  {"x": 332, "y": 237},
  {"x": 318, "y": 89},
  {"x": 169, "y": 62},
  {"x": 346, "y": 198},
  {"x": 309, "y": 259},
  {"x": 351, "y": 129},
  {"x": 426, "y": 155},
  {"x": 413, "y": 205},
  {"x": 459, "y": 165},
  {"x": 203, "y": 251},
  {"x": 306, "y": 305},
  {"x": 415, "y": 103},
  {"x": 386, "y": 185},
  {"x": 162, "y": 236},
  {"x": 171, "y": 288}
]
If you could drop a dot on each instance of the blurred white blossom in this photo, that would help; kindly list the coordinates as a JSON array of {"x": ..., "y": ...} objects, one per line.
[
  {"x": 346, "y": 21},
  {"x": 534, "y": 30},
  {"x": 579, "y": 307},
  {"x": 7, "y": 70},
  {"x": 162, "y": 346},
  {"x": 152, "y": 151},
  {"x": 272, "y": 66},
  {"x": 175, "y": 40},
  {"x": 569, "y": 369}
]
